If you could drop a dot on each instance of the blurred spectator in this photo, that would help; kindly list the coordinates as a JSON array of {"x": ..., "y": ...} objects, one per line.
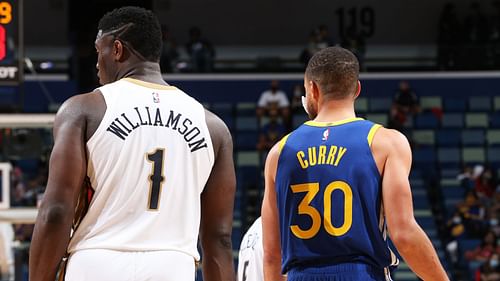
[
  {"x": 319, "y": 39},
  {"x": 271, "y": 132},
  {"x": 485, "y": 184},
  {"x": 467, "y": 178},
  {"x": 404, "y": 106},
  {"x": 473, "y": 213},
  {"x": 476, "y": 34},
  {"x": 272, "y": 99},
  {"x": 448, "y": 37},
  {"x": 494, "y": 36},
  {"x": 485, "y": 250},
  {"x": 298, "y": 92},
  {"x": 324, "y": 39},
  {"x": 490, "y": 270},
  {"x": 201, "y": 51},
  {"x": 456, "y": 231},
  {"x": 169, "y": 54},
  {"x": 355, "y": 42}
]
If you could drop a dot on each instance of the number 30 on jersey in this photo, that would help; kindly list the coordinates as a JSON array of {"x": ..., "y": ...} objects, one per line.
[{"x": 305, "y": 208}]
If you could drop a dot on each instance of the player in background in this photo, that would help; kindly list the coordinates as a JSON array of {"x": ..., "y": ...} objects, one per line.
[
  {"x": 159, "y": 165},
  {"x": 334, "y": 184},
  {"x": 251, "y": 254}
]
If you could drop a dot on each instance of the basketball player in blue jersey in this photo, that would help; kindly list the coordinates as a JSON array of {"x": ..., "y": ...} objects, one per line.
[
  {"x": 334, "y": 184},
  {"x": 160, "y": 167}
]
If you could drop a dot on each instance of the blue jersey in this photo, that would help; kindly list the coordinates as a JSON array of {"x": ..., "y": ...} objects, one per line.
[{"x": 329, "y": 196}]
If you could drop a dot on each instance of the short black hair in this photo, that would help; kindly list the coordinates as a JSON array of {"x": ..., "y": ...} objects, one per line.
[
  {"x": 144, "y": 35},
  {"x": 335, "y": 70}
]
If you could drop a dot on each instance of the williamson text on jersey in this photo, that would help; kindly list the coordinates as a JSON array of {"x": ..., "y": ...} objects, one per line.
[{"x": 124, "y": 124}]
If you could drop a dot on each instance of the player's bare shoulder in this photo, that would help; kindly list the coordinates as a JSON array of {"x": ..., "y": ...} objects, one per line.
[
  {"x": 219, "y": 132},
  {"x": 86, "y": 110},
  {"x": 387, "y": 141}
]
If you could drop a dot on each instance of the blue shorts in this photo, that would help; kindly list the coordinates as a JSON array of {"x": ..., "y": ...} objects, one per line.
[{"x": 339, "y": 272}]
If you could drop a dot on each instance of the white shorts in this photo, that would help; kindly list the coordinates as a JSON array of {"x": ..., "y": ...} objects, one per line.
[{"x": 110, "y": 265}]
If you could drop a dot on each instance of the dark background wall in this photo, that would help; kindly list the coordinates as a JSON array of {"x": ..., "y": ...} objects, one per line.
[{"x": 250, "y": 22}]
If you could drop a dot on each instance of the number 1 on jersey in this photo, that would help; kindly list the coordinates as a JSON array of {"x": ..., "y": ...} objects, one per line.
[{"x": 156, "y": 177}]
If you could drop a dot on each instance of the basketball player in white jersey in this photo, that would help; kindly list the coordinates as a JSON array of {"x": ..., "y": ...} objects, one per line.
[
  {"x": 250, "y": 259},
  {"x": 159, "y": 166}
]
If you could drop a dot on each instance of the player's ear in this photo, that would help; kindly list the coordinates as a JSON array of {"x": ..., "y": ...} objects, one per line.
[
  {"x": 314, "y": 89},
  {"x": 358, "y": 90},
  {"x": 118, "y": 50}
]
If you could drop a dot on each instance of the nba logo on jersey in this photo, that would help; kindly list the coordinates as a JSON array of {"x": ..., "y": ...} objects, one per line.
[
  {"x": 156, "y": 97},
  {"x": 326, "y": 133}
]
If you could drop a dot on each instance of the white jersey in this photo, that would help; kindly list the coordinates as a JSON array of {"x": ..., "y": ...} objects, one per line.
[
  {"x": 250, "y": 260},
  {"x": 148, "y": 163}
]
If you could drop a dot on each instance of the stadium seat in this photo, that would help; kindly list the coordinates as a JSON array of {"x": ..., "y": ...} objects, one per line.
[
  {"x": 449, "y": 155},
  {"x": 494, "y": 156},
  {"x": 479, "y": 104},
  {"x": 246, "y": 140},
  {"x": 431, "y": 102},
  {"x": 247, "y": 158},
  {"x": 450, "y": 137},
  {"x": 495, "y": 120},
  {"x": 426, "y": 120},
  {"x": 219, "y": 108},
  {"x": 476, "y": 120},
  {"x": 453, "y": 192},
  {"x": 452, "y": 120},
  {"x": 299, "y": 119},
  {"x": 246, "y": 123},
  {"x": 454, "y": 105},
  {"x": 246, "y": 108},
  {"x": 424, "y": 155},
  {"x": 473, "y": 137},
  {"x": 496, "y": 103},
  {"x": 475, "y": 155},
  {"x": 493, "y": 137},
  {"x": 423, "y": 137},
  {"x": 378, "y": 118},
  {"x": 361, "y": 105},
  {"x": 380, "y": 104}
]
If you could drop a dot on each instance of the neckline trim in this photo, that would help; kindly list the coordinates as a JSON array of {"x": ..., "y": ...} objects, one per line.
[
  {"x": 149, "y": 84},
  {"x": 336, "y": 123}
]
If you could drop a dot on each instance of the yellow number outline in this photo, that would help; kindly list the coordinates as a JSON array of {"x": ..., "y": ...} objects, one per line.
[
  {"x": 305, "y": 208},
  {"x": 5, "y": 12},
  {"x": 327, "y": 201}
]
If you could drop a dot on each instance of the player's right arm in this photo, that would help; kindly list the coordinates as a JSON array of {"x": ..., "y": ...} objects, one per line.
[
  {"x": 270, "y": 220},
  {"x": 408, "y": 237},
  {"x": 67, "y": 171},
  {"x": 217, "y": 202}
]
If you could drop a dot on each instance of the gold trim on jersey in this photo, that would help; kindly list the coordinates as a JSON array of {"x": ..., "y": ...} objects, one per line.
[
  {"x": 336, "y": 123},
  {"x": 282, "y": 143},
  {"x": 149, "y": 84},
  {"x": 372, "y": 132}
]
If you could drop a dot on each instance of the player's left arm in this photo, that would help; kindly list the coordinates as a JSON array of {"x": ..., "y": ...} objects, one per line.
[
  {"x": 270, "y": 221},
  {"x": 67, "y": 171},
  {"x": 217, "y": 202}
]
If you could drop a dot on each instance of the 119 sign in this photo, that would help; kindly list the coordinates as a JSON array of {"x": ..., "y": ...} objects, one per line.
[
  {"x": 10, "y": 42},
  {"x": 361, "y": 21}
]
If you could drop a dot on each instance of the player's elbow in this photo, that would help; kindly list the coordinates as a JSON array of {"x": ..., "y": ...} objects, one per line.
[
  {"x": 404, "y": 235},
  {"x": 54, "y": 214},
  {"x": 217, "y": 239}
]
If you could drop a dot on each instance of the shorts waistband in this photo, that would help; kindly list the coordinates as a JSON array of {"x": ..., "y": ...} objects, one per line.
[{"x": 336, "y": 268}]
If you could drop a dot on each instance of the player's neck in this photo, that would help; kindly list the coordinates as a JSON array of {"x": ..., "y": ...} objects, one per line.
[
  {"x": 336, "y": 110},
  {"x": 144, "y": 71}
]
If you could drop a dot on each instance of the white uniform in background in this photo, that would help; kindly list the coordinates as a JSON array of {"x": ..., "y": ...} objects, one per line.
[
  {"x": 250, "y": 260},
  {"x": 148, "y": 163},
  {"x": 6, "y": 251}
]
